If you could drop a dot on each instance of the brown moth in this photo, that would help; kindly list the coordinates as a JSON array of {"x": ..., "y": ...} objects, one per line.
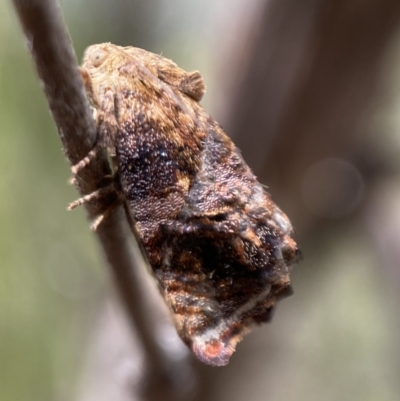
[{"x": 220, "y": 249}]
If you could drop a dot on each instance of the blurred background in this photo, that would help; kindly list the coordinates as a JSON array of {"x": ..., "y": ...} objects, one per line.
[{"x": 310, "y": 92}]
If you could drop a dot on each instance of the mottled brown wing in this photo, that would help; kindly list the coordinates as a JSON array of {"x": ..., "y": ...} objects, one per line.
[{"x": 223, "y": 262}]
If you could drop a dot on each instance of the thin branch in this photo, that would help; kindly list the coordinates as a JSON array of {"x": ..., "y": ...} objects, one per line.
[{"x": 55, "y": 61}]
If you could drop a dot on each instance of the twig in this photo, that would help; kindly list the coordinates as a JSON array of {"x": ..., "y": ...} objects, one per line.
[{"x": 55, "y": 61}]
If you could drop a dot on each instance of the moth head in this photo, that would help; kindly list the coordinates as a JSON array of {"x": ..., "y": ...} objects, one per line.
[
  {"x": 97, "y": 67},
  {"x": 103, "y": 62}
]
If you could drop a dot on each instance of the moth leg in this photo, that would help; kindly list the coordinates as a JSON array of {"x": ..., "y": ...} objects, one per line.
[
  {"x": 101, "y": 217},
  {"x": 110, "y": 188},
  {"x": 87, "y": 159},
  {"x": 96, "y": 195}
]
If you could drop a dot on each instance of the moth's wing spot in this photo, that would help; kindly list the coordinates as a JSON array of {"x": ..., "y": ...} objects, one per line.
[
  {"x": 214, "y": 352},
  {"x": 239, "y": 248},
  {"x": 251, "y": 236},
  {"x": 283, "y": 222}
]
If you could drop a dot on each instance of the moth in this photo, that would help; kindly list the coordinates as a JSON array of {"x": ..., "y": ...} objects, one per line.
[{"x": 220, "y": 249}]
